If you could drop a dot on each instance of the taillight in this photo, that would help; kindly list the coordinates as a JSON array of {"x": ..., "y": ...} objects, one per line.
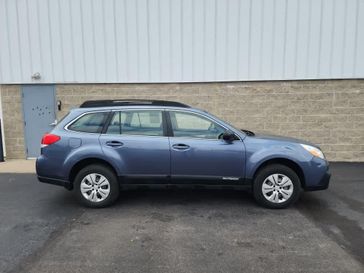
[{"x": 49, "y": 139}]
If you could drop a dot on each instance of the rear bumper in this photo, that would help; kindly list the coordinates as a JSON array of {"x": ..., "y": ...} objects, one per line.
[
  {"x": 46, "y": 172},
  {"x": 323, "y": 183},
  {"x": 55, "y": 181}
]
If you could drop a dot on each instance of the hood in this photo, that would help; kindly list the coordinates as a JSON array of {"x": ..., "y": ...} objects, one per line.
[{"x": 282, "y": 138}]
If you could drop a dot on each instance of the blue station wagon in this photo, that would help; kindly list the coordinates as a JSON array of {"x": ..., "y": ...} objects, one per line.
[{"x": 104, "y": 145}]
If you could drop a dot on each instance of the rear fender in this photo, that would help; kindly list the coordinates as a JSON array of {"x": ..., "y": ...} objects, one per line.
[{"x": 84, "y": 153}]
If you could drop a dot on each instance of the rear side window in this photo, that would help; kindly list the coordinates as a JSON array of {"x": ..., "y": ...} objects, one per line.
[
  {"x": 144, "y": 122},
  {"x": 89, "y": 123}
]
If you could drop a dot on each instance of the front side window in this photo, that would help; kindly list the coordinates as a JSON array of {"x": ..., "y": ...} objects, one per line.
[
  {"x": 89, "y": 123},
  {"x": 139, "y": 122},
  {"x": 192, "y": 125}
]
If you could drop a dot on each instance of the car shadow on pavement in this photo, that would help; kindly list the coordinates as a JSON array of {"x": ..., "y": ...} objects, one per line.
[{"x": 186, "y": 197}]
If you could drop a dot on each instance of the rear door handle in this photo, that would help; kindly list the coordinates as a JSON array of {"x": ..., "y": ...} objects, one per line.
[
  {"x": 180, "y": 146},
  {"x": 114, "y": 143}
]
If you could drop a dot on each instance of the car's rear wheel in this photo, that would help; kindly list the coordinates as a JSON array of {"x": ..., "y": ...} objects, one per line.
[
  {"x": 96, "y": 186},
  {"x": 276, "y": 186}
]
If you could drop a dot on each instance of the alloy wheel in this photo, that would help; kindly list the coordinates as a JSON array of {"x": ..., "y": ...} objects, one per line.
[
  {"x": 277, "y": 188},
  {"x": 95, "y": 187}
]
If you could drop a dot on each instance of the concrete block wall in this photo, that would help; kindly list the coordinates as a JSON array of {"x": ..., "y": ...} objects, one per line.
[
  {"x": 13, "y": 121},
  {"x": 328, "y": 113}
]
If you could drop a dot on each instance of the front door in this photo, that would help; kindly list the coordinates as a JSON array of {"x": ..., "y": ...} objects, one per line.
[
  {"x": 199, "y": 153},
  {"x": 39, "y": 113},
  {"x": 136, "y": 141}
]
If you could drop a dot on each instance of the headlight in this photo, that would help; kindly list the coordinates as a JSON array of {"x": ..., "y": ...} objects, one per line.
[{"x": 313, "y": 150}]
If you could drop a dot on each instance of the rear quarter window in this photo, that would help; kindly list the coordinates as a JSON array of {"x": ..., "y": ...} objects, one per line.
[{"x": 89, "y": 123}]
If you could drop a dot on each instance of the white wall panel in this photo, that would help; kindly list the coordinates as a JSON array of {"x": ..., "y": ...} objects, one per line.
[
  {"x": 290, "y": 39},
  {"x": 326, "y": 38},
  {"x": 107, "y": 41},
  {"x": 267, "y": 40},
  {"x": 359, "y": 45}
]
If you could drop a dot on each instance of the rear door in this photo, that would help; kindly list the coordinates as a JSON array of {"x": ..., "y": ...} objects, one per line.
[
  {"x": 199, "y": 154},
  {"x": 136, "y": 141}
]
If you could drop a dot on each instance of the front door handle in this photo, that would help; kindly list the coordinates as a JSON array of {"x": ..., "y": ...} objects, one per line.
[
  {"x": 114, "y": 143},
  {"x": 180, "y": 146}
]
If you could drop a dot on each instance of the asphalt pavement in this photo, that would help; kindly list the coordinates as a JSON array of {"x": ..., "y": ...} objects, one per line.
[{"x": 43, "y": 229}]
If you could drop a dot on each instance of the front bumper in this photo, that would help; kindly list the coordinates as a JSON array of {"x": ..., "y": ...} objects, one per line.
[{"x": 322, "y": 185}]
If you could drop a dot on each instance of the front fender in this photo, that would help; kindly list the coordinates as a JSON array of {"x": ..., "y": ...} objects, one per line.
[{"x": 257, "y": 157}]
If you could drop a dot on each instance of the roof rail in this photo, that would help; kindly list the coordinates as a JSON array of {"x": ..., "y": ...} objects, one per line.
[{"x": 134, "y": 102}]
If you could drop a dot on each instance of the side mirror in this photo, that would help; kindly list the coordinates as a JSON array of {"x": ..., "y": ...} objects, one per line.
[{"x": 228, "y": 136}]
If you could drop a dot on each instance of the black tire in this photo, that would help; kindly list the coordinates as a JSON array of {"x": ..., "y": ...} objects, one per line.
[
  {"x": 264, "y": 173},
  {"x": 108, "y": 174}
]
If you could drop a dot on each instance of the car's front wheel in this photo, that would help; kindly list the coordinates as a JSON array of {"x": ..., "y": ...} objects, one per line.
[
  {"x": 96, "y": 186},
  {"x": 276, "y": 186}
]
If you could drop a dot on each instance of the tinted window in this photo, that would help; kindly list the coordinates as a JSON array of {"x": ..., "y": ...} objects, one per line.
[
  {"x": 89, "y": 123},
  {"x": 141, "y": 122},
  {"x": 191, "y": 125}
]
